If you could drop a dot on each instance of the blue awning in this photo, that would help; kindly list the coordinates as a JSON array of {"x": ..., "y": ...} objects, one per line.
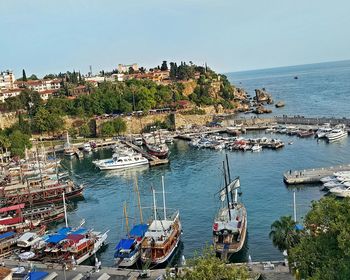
[
  {"x": 7, "y": 234},
  {"x": 36, "y": 275},
  {"x": 139, "y": 230},
  {"x": 56, "y": 238},
  {"x": 80, "y": 231},
  {"x": 299, "y": 227},
  {"x": 64, "y": 230},
  {"x": 125, "y": 244}
]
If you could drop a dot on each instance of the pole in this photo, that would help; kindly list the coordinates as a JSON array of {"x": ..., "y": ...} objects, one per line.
[
  {"x": 126, "y": 218},
  {"x": 163, "y": 198},
  {"x": 228, "y": 200},
  {"x": 229, "y": 180},
  {"x": 154, "y": 205},
  {"x": 294, "y": 207},
  {"x": 65, "y": 209},
  {"x": 138, "y": 199}
]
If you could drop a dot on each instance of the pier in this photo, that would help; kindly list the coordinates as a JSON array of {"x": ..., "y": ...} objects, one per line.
[
  {"x": 311, "y": 176},
  {"x": 153, "y": 160}
]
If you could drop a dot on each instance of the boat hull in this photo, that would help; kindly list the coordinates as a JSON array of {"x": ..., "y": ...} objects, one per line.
[{"x": 120, "y": 167}]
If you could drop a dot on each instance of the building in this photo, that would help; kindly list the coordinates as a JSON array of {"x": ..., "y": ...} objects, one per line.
[
  {"x": 157, "y": 76},
  {"x": 9, "y": 93},
  {"x": 123, "y": 68},
  {"x": 40, "y": 85},
  {"x": 7, "y": 80}
]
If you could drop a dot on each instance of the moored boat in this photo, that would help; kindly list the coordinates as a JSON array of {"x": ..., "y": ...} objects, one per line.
[
  {"x": 230, "y": 223},
  {"x": 339, "y": 132},
  {"x": 121, "y": 162}
]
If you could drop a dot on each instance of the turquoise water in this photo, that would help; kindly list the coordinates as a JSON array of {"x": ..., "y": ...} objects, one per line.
[{"x": 194, "y": 176}]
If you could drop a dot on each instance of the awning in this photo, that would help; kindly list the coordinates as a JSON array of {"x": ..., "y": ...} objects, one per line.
[
  {"x": 64, "y": 230},
  {"x": 75, "y": 237},
  {"x": 36, "y": 275},
  {"x": 139, "y": 230},
  {"x": 7, "y": 234},
  {"x": 125, "y": 244},
  {"x": 56, "y": 238}
]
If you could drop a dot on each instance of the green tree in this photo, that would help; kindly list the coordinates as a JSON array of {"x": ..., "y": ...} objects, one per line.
[
  {"x": 33, "y": 77},
  {"x": 324, "y": 248},
  {"x": 208, "y": 266},
  {"x": 41, "y": 120},
  {"x": 119, "y": 125},
  {"x": 84, "y": 130},
  {"x": 107, "y": 129},
  {"x": 19, "y": 141},
  {"x": 164, "y": 66},
  {"x": 24, "y": 76},
  {"x": 283, "y": 233}
]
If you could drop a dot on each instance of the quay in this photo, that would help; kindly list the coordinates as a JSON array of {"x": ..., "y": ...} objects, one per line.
[
  {"x": 311, "y": 176},
  {"x": 270, "y": 270},
  {"x": 189, "y": 135},
  {"x": 153, "y": 160}
]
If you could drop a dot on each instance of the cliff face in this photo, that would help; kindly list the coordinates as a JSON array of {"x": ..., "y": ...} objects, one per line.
[{"x": 7, "y": 120}]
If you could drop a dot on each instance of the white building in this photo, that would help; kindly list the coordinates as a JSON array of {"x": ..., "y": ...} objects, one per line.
[
  {"x": 123, "y": 68},
  {"x": 6, "y": 93},
  {"x": 7, "y": 79},
  {"x": 40, "y": 85}
]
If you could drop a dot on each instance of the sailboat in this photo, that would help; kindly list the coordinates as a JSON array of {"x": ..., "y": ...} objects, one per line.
[
  {"x": 68, "y": 149},
  {"x": 230, "y": 223},
  {"x": 162, "y": 237},
  {"x": 128, "y": 249}
]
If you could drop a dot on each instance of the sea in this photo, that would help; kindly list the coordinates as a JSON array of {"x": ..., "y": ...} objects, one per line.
[{"x": 194, "y": 176}]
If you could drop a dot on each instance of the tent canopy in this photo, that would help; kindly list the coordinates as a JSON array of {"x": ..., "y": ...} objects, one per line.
[
  {"x": 139, "y": 230},
  {"x": 125, "y": 244}
]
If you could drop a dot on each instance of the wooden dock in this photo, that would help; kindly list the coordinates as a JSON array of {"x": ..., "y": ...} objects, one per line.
[
  {"x": 311, "y": 176},
  {"x": 153, "y": 160}
]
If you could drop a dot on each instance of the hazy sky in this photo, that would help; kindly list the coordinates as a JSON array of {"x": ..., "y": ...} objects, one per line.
[{"x": 46, "y": 36}]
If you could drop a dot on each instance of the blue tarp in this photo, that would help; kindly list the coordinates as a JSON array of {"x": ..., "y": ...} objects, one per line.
[
  {"x": 64, "y": 230},
  {"x": 299, "y": 227},
  {"x": 79, "y": 231},
  {"x": 139, "y": 230},
  {"x": 36, "y": 275},
  {"x": 125, "y": 244},
  {"x": 7, "y": 234},
  {"x": 56, "y": 238}
]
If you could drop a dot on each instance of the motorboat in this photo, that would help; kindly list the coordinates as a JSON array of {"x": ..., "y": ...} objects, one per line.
[
  {"x": 137, "y": 141},
  {"x": 339, "y": 132},
  {"x": 328, "y": 179},
  {"x": 323, "y": 131},
  {"x": 342, "y": 191},
  {"x": 87, "y": 148},
  {"x": 28, "y": 239},
  {"x": 256, "y": 148},
  {"x": 121, "y": 162},
  {"x": 342, "y": 173}
]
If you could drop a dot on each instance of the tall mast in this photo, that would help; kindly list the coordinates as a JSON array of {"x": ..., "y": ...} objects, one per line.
[
  {"x": 138, "y": 199},
  {"x": 154, "y": 205},
  {"x": 229, "y": 180},
  {"x": 163, "y": 198},
  {"x": 294, "y": 207},
  {"x": 65, "y": 209},
  {"x": 38, "y": 161},
  {"x": 126, "y": 218},
  {"x": 228, "y": 200}
]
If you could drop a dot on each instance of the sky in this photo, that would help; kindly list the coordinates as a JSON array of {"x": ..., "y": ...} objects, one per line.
[{"x": 43, "y": 36}]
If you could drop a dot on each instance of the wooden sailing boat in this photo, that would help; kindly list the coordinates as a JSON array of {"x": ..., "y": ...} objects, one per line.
[
  {"x": 230, "y": 223},
  {"x": 162, "y": 237},
  {"x": 128, "y": 249}
]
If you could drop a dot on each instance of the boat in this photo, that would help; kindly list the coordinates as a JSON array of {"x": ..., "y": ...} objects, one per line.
[
  {"x": 119, "y": 161},
  {"x": 234, "y": 130},
  {"x": 46, "y": 213},
  {"x": 341, "y": 191},
  {"x": 87, "y": 148},
  {"x": 128, "y": 250},
  {"x": 137, "y": 141},
  {"x": 323, "y": 131},
  {"x": 158, "y": 150},
  {"x": 305, "y": 133},
  {"x": 8, "y": 242},
  {"x": 339, "y": 132},
  {"x": 328, "y": 179},
  {"x": 342, "y": 173},
  {"x": 68, "y": 150},
  {"x": 230, "y": 223},
  {"x": 256, "y": 148},
  {"x": 279, "y": 104},
  {"x": 28, "y": 239},
  {"x": 70, "y": 245},
  {"x": 162, "y": 237}
]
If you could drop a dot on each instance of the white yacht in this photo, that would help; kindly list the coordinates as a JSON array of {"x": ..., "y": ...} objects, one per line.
[
  {"x": 119, "y": 161},
  {"x": 323, "y": 130},
  {"x": 337, "y": 133},
  {"x": 328, "y": 179},
  {"x": 256, "y": 148},
  {"x": 342, "y": 191},
  {"x": 28, "y": 239},
  {"x": 342, "y": 173}
]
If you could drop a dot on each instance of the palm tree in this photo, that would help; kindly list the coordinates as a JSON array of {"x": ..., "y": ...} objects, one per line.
[{"x": 283, "y": 233}]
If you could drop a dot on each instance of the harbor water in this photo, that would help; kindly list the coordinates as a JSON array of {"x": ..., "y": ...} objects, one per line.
[{"x": 194, "y": 176}]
